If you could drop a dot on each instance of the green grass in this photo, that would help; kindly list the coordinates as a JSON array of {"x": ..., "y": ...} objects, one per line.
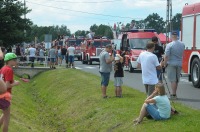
[{"x": 70, "y": 100}]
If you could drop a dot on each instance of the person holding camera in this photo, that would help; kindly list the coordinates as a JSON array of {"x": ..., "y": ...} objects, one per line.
[
  {"x": 173, "y": 62},
  {"x": 148, "y": 62},
  {"x": 105, "y": 68},
  {"x": 158, "y": 51},
  {"x": 157, "y": 105}
]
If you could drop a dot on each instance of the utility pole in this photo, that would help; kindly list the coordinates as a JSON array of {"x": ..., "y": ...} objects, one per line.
[
  {"x": 168, "y": 19},
  {"x": 24, "y": 17}
]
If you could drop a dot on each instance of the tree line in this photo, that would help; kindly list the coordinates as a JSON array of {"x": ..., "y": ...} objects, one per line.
[{"x": 16, "y": 28}]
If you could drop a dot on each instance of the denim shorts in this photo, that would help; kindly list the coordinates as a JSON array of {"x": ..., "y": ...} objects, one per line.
[
  {"x": 71, "y": 58},
  {"x": 159, "y": 75},
  {"x": 63, "y": 57},
  {"x": 59, "y": 55},
  {"x": 105, "y": 77},
  {"x": 52, "y": 60},
  {"x": 153, "y": 111}
]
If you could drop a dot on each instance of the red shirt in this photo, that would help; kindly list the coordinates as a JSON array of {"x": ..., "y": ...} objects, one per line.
[{"x": 7, "y": 75}]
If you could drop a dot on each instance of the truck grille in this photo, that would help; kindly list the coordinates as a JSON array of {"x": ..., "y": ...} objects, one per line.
[
  {"x": 77, "y": 51},
  {"x": 98, "y": 51}
]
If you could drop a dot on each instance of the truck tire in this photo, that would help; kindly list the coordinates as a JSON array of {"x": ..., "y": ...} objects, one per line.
[
  {"x": 83, "y": 62},
  {"x": 82, "y": 58},
  {"x": 195, "y": 72},
  {"x": 79, "y": 58},
  {"x": 89, "y": 62},
  {"x": 130, "y": 68}
]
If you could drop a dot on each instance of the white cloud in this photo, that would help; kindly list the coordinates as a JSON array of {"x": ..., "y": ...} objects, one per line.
[{"x": 43, "y": 14}]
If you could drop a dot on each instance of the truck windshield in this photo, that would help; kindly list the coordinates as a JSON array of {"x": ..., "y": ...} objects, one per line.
[
  {"x": 139, "y": 43},
  {"x": 78, "y": 42},
  {"x": 104, "y": 43},
  {"x": 97, "y": 44},
  {"x": 73, "y": 42}
]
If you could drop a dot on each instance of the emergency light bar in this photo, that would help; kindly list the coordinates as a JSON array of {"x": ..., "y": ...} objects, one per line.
[{"x": 140, "y": 30}]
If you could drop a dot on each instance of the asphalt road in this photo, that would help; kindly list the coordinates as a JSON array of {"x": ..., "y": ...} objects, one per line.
[{"x": 187, "y": 94}]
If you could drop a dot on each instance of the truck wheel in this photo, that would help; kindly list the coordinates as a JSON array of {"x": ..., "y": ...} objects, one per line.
[
  {"x": 130, "y": 68},
  {"x": 89, "y": 62},
  {"x": 82, "y": 58},
  {"x": 195, "y": 72},
  {"x": 83, "y": 62}
]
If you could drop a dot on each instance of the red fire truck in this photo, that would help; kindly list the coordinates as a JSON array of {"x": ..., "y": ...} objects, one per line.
[
  {"x": 79, "y": 41},
  {"x": 190, "y": 36},
  {"x": 133, "y": 43},
  {"x": 92, "y": 48}
]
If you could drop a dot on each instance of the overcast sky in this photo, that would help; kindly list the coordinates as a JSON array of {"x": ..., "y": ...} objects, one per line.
[{"x": 81, "y": 14}]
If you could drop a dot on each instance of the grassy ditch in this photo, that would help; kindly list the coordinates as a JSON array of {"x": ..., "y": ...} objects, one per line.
[{"x": 70, "y": 100}]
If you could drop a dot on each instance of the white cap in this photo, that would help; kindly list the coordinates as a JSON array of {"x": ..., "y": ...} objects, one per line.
[{"x": 117, "y": 58}]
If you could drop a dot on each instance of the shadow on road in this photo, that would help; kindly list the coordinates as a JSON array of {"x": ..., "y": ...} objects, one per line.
[{"x": 135, "y": 71}]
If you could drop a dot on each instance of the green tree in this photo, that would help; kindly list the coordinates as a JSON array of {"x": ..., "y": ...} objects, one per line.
[
  {"x": 40, "y": 32},
  {"x": 94, "y": 28},
  {"x": 154, "y": 21},
  {"x": 176, "y": 21},
  {"x": 81, "y": 33},
  {"x": 102, "y": 30},
  {"x": 12, "y": 24}
]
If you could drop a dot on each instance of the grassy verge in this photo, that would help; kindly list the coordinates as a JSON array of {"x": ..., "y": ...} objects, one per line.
[{"x": 70, "y": 100}]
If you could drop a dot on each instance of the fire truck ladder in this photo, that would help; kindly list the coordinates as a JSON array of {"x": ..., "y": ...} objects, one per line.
[{"x": 168, "y": 19}]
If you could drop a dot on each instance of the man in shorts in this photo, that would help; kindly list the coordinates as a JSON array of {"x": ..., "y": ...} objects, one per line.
[
  {"x": 71, "y": 52},
  {"x": 173, "y": 62},
  {"x": 148, "y": 62},
  {"x": 105, "y": 68}
]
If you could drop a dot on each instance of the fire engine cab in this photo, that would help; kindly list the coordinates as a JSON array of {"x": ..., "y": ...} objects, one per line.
[
  {"x": 91, "y": 49},
  {"x": 133, "y": 43},
  {"x": 190, "y": 36}
]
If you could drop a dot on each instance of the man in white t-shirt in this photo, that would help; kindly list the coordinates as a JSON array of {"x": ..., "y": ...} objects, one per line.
[
  {"x": 71, "y": 52},
  {"x": 148, "y": 62},
  {"x": 32, "y": 52}
]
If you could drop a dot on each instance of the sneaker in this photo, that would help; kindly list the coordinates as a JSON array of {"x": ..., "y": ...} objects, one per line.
[
  {"x": 119, "y": 96},
  {"x": 106, "y": 97},
  {"x": 174, "y": 112},
  {"x": 173, "y": 97}
]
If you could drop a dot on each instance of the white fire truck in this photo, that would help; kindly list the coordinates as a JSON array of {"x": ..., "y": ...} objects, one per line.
[{"x": 191, "y": 38}]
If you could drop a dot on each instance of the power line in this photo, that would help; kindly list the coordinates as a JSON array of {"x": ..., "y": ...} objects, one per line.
[
  {"x": 79, "y": 11},
  {"x": 87, "y": 2}
]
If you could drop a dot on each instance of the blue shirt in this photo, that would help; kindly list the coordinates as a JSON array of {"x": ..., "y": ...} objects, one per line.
[
  {"x": 174, "y": 52},
  {"x": 163, "y": 104}
]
